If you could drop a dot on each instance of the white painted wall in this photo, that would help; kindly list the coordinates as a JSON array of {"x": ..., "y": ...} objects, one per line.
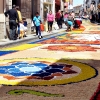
[{"x": 41, "y": 9}]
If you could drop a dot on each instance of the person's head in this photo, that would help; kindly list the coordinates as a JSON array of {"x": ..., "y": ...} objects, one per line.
[
  {"x": 17, "y": 7},
  {"x": 14, "y": 6},
  {"x": 62, "y": 12},
  {"x": 37, "y": 14},
  {"x": 66, "y": 13},
  {"x": 50, "y": 12},
  {"x": 72, "y": 11},
  {"x": 24, "y": 18},
  {"x": 85, "y": 13}
]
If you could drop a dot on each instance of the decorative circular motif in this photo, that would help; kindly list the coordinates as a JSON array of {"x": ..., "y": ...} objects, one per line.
[{"x": 38, "y": 71}]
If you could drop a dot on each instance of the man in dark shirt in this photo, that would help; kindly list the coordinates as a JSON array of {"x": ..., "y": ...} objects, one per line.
[{"x": 13, "y": 16}]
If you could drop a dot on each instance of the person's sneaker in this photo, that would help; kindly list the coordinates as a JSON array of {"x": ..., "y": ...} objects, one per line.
[
  {"x": 19, "y": 37},
  {"x": 24, "y": 36},
  {"x": 40, "y": 37}
]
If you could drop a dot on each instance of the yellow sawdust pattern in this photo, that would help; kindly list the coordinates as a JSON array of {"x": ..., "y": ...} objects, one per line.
[{"x": 23, "y": 47}]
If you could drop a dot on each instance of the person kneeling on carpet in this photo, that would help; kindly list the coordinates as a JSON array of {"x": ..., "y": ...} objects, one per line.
[
  {"x": 77, "y": 22},
  {"x": 69, "y": 25},
  {"x": 67, "y": 22}
]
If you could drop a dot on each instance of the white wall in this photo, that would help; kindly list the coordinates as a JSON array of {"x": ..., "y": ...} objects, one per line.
[
  {"x": 41, "y": 9},
  {"x": 2, "y": 17}
]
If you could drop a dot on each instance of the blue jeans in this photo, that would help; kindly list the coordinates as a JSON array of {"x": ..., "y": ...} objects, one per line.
[{"x": 38, "y": 30}]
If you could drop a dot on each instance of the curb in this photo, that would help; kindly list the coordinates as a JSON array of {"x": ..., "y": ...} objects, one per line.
[{"x": 33, "y": 39}]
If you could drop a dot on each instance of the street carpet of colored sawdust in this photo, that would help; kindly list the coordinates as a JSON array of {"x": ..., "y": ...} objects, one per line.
[
  {"x": 96, "y": 95},
  {"x": 35, "y": 71}
]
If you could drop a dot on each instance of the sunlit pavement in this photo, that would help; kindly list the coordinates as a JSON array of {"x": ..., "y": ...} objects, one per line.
[{"x": 62, "y": 67}]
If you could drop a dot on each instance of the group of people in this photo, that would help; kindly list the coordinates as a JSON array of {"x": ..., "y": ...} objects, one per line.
[
  {"x": 17, "y": 24},
  {"x": 69, "y": 19}
]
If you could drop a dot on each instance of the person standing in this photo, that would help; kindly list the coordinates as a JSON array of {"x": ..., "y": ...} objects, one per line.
[
  {"x": 65, "y": 17},
  {"x": 37, "y": 22},
  {"x": 20, "y": 19},
  {"x": 62, "y": 18},
  {"x": 50, "y": 19},
  {"x": 58, "y": 18},
  {"x": 13, "y": 16},
  {"x": 73, "y": 14}
]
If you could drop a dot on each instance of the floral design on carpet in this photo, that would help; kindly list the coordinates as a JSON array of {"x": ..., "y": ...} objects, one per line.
[
  {"x": 70, "y": 48},
  {"x": 35, "y": 70},
  {"x": 38, "y": 71},
  {"x": 74, "y": 39},
  {"x": 96, "y": 95}
]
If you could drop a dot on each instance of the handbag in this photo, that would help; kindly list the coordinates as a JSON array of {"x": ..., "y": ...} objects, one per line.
[{"x": 42, "y": 27}]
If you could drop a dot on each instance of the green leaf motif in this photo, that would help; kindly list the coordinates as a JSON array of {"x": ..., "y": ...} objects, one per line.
[{"x": 20, "y": 92}]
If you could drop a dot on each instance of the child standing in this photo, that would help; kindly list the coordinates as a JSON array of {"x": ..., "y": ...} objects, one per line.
[
  {"x": 37, "y": 22},
  {"x": 25, "y": 26},
  {"x": 21, "y": 29}
]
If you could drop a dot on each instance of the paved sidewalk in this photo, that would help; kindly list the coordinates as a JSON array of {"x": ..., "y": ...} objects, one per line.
[{"x": 7, "y": 42}]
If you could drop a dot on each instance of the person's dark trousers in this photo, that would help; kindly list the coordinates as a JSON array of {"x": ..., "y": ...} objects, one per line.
[
  {"x": 99, "y": 17},
  {"x": 13, "y": 28},
  {"x": 50, "y": 23},
  {"x": 59, "y": 23},
  {"x": 38, "y": 30}
]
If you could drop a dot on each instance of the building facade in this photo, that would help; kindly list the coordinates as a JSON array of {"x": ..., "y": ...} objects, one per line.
[
  {"x": 28, "y": 9},
  {"x": 77, "y": 9},
  {"x": 89, "y": 4}
]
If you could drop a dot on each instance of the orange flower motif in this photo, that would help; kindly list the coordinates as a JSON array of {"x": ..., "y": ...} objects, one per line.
[{"x": 71, "y": 48}]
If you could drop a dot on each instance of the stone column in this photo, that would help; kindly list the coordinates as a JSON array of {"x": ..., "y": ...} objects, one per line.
[
  {"x": 41, "y": 9},
  {"x": 61, "y": 5},
  {"x": 53, "y": 8}
]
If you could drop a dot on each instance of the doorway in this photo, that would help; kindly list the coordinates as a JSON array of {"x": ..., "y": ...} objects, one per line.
[
  {"x": 34, "y": 7},
  {"x": 16, "y": 2},
  {"x": 46, "y": 9}
]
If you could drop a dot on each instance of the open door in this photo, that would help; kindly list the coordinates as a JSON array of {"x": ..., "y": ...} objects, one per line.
[{"x": 16, "y": 2}]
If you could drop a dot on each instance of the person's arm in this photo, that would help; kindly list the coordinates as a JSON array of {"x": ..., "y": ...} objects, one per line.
[
  {"x": 34, "y": 21},
  {"x": 17, "y": 17},
  {"x": 40, "y": 19},
  {"x": 6, "y": 13},
  {"x": 53, "y": 17}
]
